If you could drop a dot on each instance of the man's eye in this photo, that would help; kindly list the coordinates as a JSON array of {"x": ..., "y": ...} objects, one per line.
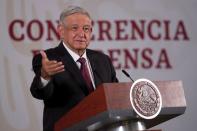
[
  {"x": 74, "y": 28},
  {"x": 87, "y": 29}
]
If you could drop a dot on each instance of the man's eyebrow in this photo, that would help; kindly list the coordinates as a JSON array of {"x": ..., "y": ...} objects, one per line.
[
  {"x": 74, "y": 25},
  {"x": 87, "y": 25}
]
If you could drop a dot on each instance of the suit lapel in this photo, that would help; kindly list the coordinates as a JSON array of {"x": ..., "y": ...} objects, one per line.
[
  {"x": 71, "y": 67},
  {"x": 94, "y": 63}
]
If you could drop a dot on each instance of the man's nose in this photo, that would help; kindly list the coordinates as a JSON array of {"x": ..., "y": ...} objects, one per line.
[{"x": 81, "y": 33}]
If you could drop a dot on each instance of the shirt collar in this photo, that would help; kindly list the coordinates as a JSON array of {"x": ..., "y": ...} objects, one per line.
[{"x": 74, "y": 55}]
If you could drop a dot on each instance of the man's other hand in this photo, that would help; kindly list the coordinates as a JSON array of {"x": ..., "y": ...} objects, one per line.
[{"x": 50, "y": 68}]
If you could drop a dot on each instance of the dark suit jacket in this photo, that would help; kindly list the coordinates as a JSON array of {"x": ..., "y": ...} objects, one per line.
[{"x": 68, "y": 88}]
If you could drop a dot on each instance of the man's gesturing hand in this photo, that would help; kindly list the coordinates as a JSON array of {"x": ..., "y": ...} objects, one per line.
[{"x": 50, "y": 68}]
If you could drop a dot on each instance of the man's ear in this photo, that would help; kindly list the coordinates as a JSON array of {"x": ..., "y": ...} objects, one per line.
[{"x": 60, "y": 30}]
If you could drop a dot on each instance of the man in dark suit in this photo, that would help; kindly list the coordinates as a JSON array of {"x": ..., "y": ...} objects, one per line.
[{"x": 59, "y": 80}]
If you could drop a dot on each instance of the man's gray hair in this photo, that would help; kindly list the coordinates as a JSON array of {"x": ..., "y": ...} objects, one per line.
[{"x": 72, "y": 10}]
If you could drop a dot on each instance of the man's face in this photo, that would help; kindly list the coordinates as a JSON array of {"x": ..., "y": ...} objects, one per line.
[{"x": 76, "y": 32}]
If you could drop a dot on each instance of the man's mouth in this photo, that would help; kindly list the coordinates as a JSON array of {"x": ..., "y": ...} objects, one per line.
[{"x": 81, "y": 40}]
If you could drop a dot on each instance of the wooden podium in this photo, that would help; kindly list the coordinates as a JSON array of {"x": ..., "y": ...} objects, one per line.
[{"x": 109, "y": 109}]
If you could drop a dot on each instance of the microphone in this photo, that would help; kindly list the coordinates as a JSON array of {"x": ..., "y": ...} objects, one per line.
[{"x": 128, "y": 75}]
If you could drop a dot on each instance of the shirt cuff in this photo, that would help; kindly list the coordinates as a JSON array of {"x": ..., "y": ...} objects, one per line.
[{"x": 44, "y": 82}]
